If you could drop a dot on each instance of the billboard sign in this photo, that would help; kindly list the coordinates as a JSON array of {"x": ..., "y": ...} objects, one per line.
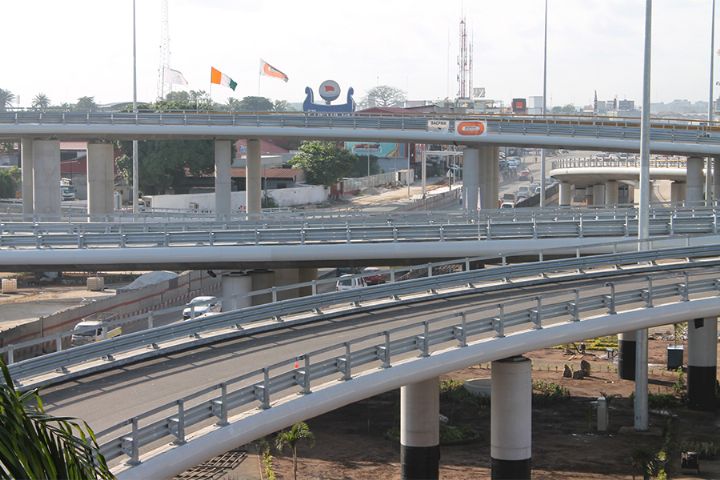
[
  {"x": 438, "y": 126},
  {"x": 471, "y": 127}
]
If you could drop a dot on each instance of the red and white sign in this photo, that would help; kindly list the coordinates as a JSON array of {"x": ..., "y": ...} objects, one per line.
[
  {"x": 329, "y": 90},
  {"x": 471, "y": 127}
]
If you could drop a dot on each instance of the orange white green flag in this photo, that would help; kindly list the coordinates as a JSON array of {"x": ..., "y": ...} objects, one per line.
[
  {"x": 270, "y": 71},
  {"x": 219, "y": 78}
]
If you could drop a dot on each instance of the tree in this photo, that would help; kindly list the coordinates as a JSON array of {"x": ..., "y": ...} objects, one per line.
[
  {"x": 86, "y": 104},
  {"x": 323, "y": 162},
  {"x": 6, "y": 99},
  {"x": 255, "y": 104},
  {"x": 9, "y": 182},
  {"x": 567, "y": 109},
  {"x": 282, "y": 106},
  {"x": 41, "y": 101},
  {"x": 34, "y": 444},
  {"x": 384, "y": 96},
  {"x": 290, "y": 438}
]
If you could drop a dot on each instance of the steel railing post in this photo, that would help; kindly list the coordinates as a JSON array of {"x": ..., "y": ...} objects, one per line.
[{"x": 134, "y": 446}]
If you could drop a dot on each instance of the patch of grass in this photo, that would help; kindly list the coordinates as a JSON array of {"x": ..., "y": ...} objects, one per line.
[{"x": 548, "y": 392}]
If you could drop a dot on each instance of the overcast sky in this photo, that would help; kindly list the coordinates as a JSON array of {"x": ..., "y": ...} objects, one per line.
[{"x": 72, "y": 48}]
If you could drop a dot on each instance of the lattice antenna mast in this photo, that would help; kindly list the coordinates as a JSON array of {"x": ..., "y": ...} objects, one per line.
[
  {"x": 470, "y": 65},
  {"x": 164, "y": 49},
  {"x": 462, "y": 61}
]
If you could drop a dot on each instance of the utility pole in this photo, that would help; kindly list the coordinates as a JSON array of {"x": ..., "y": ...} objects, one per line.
[
  {"x": 135, "y": 186},
  {"x": 709, "y": 165},
  {"x": 544, "y": 107}
]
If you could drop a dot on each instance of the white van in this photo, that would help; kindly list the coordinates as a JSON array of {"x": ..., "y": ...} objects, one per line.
[
  {"x": 94, "y": 328},
  {"x": 349, "y": 282},
  {"x": 200, "y": 306}
]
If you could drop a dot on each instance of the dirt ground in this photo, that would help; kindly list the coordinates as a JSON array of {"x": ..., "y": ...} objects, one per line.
[{"x": 351, "y": 443}]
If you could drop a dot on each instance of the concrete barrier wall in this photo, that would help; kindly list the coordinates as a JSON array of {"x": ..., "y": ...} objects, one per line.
[
  {"x": 125, "y": 304},
  {"x": 205, "y": 202}
]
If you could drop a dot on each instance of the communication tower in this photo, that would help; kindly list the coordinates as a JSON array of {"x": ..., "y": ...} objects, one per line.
[{"x": 164, "y": 49}]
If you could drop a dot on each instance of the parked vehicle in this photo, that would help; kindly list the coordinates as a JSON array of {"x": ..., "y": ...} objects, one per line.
[
  {"x": 67, "y": 192},
  {"x": 373, "y": 276},
  {"x": 199, "y": 306},
  {"x": 507, "y": 204},
  {"x": 94, "y": 328},
  {"x": 348, "y": 282}
]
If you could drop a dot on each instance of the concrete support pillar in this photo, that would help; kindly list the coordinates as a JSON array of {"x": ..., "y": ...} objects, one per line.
[
  {"x": 716, "y": 180},
  {"x": 565, "y": 191},
  {"x": 677, "y": 192},
  {"x": 631, "y": 195},
  {"x": 489, "y": 170},
  {"x": 100, "y": 179},
  {"x": 253, "y": 178},
  {"x": 702, "y": 363},
  {"x": 235, "y": 287},
  {"x": 611, "y": 193},
  {"x": 642, "y": 418},
  {"x": 46, "y": 179},
  {"x": 695, "y": 185},
  {"x": 626, "y": 355},
  {"x": 420, "y": 430},
  {"x": 261, "y": 280},
  {"x": 223, "y": 177},
  {"x": 287, "y": 276},
  {"x": 511, "y": 419},
  {"x": 471, "y": 179},
  {"x": 598, "y": 193},
  {"x": 26, "y": 154},
  {"x": 307, "y": 274}
]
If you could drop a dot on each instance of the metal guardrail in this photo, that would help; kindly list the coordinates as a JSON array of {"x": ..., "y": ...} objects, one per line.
[
  {"x": 598, "y": 127},
  {"x": 700, "y": 221},
  {"x": 205, "y": 330},
  {"x": 343, "y": 360},
  {"x": 586, "y": 162}
]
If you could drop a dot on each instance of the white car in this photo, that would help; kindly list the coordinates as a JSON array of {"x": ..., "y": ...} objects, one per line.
[
  {"x": 200, "y": 306},
  {"x": 349, "y": 282}
]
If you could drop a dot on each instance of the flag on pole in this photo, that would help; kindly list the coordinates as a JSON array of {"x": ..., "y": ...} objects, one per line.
[
  {"x": 216, "y": 76},
  {"x": 270, "y": 71},
  {"x": 174, "y": 77}
]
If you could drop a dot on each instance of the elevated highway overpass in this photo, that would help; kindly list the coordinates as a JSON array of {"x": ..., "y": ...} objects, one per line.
[{"x": 463, "y": 319}]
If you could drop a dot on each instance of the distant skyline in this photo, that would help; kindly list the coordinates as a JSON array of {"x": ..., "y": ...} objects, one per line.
[{"x": 84, "y": 48}]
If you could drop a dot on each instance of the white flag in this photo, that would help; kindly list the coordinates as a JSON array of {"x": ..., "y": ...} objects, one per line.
[{"x": 174, "y": 77}]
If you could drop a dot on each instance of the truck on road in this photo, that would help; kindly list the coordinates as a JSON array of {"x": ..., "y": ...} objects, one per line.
[{"x": 95, "y": 327}]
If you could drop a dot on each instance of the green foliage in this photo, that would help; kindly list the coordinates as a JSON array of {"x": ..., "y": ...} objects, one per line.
[
  {"x": 290, "y": 438},
  {"x": 453, "y": 435},
  {"x": 86, "y": 104},
  {"x": 36, "y": 445},
  {"x": 282, "y": 106},
  {"x": 567, "y": 109},
  {"x": 267, "y": 463},
  {"x": 163, "y": 163},
  {"x": 663, "y": 401},
  {"x": 254, "y": 104},
  {"x": 548, "y": 392},
  {"x": 323, "y": 162},
  {"x": 709, "y": 450},
  {"x": 268, "y": 201},
  {"x": 384, "y": 96},
  {"x": 194, "y": 100},
  {"x": 6, "y": 99},
  {"x": 41, "y": 101},
  {"x": 9, "y": 182}
]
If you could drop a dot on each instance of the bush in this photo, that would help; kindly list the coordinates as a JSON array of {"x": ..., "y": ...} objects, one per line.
[{"x": 548, "y": 392}]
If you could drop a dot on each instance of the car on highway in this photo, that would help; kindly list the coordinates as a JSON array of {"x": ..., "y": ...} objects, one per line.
[
  {"x": 200, "y": 306},
  {"x": 67, "y": 192},
  {"x": 349, "y": 282},
  {"x": 373, "y": 276},
  {"x": 507, "y": 204},
  {"x": 523, "y": 191},
  {"x": 95, "y": 327},
  {"x": 524, "y": 175}
]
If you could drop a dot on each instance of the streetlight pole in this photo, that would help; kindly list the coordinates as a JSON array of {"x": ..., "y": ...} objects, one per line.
[
  {"x": 544, "y": 107},
  {"x": 709, "y": 166},
  {"x": 641, "y": 352},
  {"x": 135, "y": 186}
]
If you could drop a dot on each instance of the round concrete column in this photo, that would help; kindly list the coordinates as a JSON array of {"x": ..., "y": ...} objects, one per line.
[
  {"x": 626, "y": 355},
  {"x": 677, "y": 192},
  {"x": 611, "y": 193},
  {"x": 420, "y": 430},
  {"x": 631, "y": 195},
  {"x": 695, "y": 185},
  {"x": 489, "y": 181},
  {"x": 235, "y": 287},
  {"x": 100, "y": 179},
  {"x": 46, "y": 179},
  {"x": 716, "y": 179},
  {"x": 471, "y": 179},
  {"x": 253, "y": 178},
  {"x": 306, "y": 275},
  {"x": 287, "y": 276},
  {"x": 26, "y": 154},
  {"x": 702, "y": 363},
  {"x": 565, "y": 191},
  {"x": 511, "y": 418},
  {"x": 223, "y": 177},
  {"x": 262, "y": 280},
  {"x": 598, "y": 193}
]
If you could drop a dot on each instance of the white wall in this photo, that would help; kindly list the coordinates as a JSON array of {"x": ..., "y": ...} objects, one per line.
[{"x": 284, "y": 197}]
